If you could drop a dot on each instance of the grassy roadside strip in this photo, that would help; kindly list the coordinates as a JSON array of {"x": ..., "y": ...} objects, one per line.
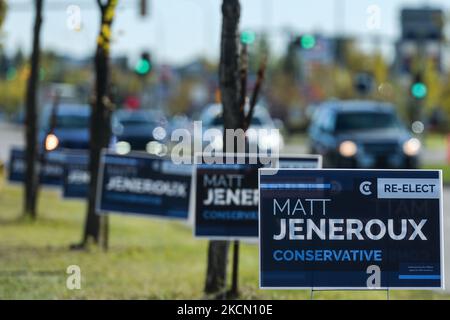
[{"x": 148, "y": 259}]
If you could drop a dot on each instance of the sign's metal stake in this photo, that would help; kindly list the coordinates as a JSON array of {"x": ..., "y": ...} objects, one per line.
[
  {"x": 235, "y": 271},
  {"x": 105, "y": 220}
]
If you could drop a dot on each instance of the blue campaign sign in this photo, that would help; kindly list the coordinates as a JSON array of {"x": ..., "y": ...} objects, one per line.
[
  {"x": 51, "y": 167},
  {"x": 138, "y": 183},
  {"x": 76, "y": 175},
  {"x": 226, "y": 195},
  {"x": 343, "y": 229}
]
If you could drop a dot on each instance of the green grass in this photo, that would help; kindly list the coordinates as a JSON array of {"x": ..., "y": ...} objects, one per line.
[
  {"x": 435, "y": 141},
  {"x": 148, "y": 259}
]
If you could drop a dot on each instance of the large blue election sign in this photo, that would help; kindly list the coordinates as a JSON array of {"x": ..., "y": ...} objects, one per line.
[
  {"x": 226, "y": 197},
  {"x": 51, "y": 167},
  {"x": 138, "y": 183},
  {"x": 351, "y": 229},
  {"x": 76, "y": 175}
]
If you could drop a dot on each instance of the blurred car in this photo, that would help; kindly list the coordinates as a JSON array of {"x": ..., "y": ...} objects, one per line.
[
  {"x": 362, "y": 134},
  {"x": 180, "y": 121},
  {"x": 135, "y": 130},
  {"x": 270, "y": 140},
  {"x": 70, "y": 128}
]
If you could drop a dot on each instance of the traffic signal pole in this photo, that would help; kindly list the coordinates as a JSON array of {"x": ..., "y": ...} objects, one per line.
[{"x": 418, "y": 89}]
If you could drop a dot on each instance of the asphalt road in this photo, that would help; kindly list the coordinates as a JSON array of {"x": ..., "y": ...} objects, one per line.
[
  {"x": 12, "y": 135},
  {"x": 428, "y": 156}
]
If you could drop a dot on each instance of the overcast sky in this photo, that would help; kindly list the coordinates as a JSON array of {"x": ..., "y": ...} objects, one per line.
[{"x": 178, "y": 30}]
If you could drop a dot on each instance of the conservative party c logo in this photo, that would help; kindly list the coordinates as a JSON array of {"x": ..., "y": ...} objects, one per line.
[{"x": 364, "y": 188}]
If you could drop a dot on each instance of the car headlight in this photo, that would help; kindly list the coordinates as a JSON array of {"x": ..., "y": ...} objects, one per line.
[
  {"x": 122, "y": 147},
  {"x": 154, "y": 147},
  {"x": 51, "y": 142},
  {"x": 412, "y": 147},
  {"x": 348, "y": 148}
]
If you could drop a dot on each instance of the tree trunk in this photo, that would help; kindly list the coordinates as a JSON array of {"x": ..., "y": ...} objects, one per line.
[
  {"x": 229, "y": 76},
  {"x": 100, "y": 126},
  {"x": 98, "y": 133},
  {"x": 233, "y": 119},
  {"x": 2, "y": 12},
  {"x": 31, "y": 134}
]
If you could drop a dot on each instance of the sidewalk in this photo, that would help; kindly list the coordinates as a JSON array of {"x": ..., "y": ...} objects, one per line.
[{"x": 10, "y": 135}]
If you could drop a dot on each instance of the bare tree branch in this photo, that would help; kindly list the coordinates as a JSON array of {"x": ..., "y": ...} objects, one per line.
[
  {"x": 104, "y": 5},
  {"x": 255, "y": 94},
  {"x": 101, "y": 5},
  {"x": 243, "y": 77}
]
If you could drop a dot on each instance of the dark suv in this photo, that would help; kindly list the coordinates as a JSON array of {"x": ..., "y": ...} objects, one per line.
[
  {"x": 362, "y": 134},
  {"x": 134, "y": 129},
  {"x": 71, "y": 127}
]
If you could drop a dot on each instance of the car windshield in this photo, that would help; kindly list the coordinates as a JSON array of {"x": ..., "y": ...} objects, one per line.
[
  {"x": 136, "y": 122},
  {"x": 366, "y": 121},
  {"x": 132, "y": 119},
  {"x": 72, "y": 122},
  {"x": 218, "y": 121}
]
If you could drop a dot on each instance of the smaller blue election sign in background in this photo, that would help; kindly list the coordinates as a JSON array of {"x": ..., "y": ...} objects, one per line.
[
  {"x": 51, "y": 165},
  {"x": 76, "y": 174},
  {"x": 226, "y": 195},
  {"x": 138, "y": 183},
  {"x": 351, "y": 229}
]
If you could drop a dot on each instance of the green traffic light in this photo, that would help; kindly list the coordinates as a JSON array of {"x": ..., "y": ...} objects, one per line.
[
  {"x": 142, "y": 67},
  {"x": 248, "y": 37},
  {"x": 419, "y": 90},
  {"x": 308, "y": 41}
]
